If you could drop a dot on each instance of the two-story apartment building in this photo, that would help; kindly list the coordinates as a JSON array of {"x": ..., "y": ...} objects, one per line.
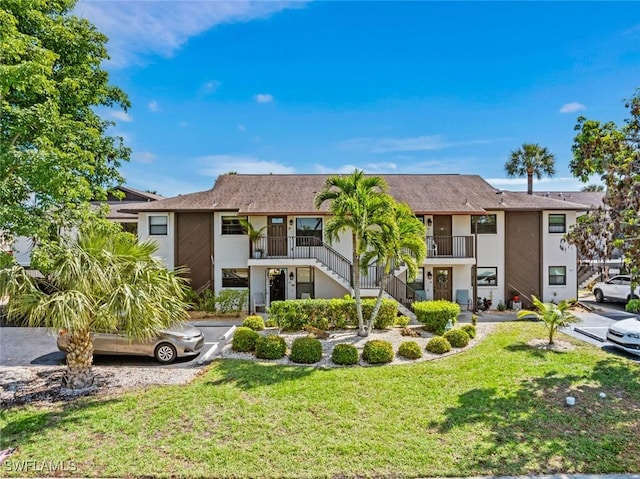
[{"x": 481, "y": 242}]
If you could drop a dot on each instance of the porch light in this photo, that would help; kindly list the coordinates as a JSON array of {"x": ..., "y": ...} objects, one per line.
[
  {"x": 429, "y": 275},
  {"x": 429, "y": 221},
  {"x": 291, "y": 276}
]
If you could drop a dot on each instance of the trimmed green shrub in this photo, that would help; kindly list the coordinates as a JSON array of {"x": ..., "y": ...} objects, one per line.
[
  {"x": 434, "y": 315},
  {"x": 457, "y": 338},
  {"x": 470, "y": 329},
  {"x": 474, "y": 319},
  {"x": 327, "y": 314},
  {"x": 633, "y": 306},
  {"x": 410, "y": 350},
  {"x": 344, "y": 354},
  {"x": 232, "y": 301},
  {"x": 271, "y": 346},
  {"x": 438, "y": 345},
  {"x": 244, "y": 339},
  {"x": 254, "y": 322},
  {"x": 377, "y": 351},
  {"x": 270, "y": 323},
  {"x": 229, "y": 301},
  {"x": 306, "y": 351},
  {"x": 402, "y": 321}
]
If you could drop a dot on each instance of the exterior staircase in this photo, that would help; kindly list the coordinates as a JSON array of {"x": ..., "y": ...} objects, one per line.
[{"x": 395, "y": 290}]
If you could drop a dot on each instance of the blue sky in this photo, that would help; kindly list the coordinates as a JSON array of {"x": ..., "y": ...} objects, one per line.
[{"x": 388, "y": 87}]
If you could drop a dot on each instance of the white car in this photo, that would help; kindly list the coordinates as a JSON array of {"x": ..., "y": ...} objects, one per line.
[
  {"x": 625, "y": 335},
  {"x": 617, "y": 288}
]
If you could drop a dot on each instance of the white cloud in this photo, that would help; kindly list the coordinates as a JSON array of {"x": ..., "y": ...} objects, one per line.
[
  {"x": 141, "y": 29},
  {"x": 264, "y": 98},
  {"x": 153, "y": 106},
  {"x": 121, "y": 115},
  {"x": 342, "y": 170},
  {"x": 572, "y": 107},
  {"x": 544, "y": 184},
  {"x": 143, "y": 157},
  {"x": 214, "y": 165},
  {"x": 183, "y": 124},
  {"x": 387, "y": 145},
  {"x": 210, "y": 87},
  {"x": 241, "y": 127}
]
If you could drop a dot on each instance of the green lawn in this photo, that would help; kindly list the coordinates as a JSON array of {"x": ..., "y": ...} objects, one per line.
[{"x": 497, "y": 408}]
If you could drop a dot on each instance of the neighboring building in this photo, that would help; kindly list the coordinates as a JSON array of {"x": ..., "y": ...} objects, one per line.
[
  {"x": 515, "y": 248},
  {"x": 129, "y": 221},
  {"x": 22, "y": 245}
]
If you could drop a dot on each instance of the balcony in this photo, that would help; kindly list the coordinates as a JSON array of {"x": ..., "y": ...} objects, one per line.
[
  {"x": 301, "y": 247},
  {"x": 450, "y": 247}
]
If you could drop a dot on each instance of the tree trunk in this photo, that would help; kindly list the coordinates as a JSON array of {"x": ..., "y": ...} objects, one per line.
[
  {"x": 356, "y": 287},
  {"x": 530, "y": 181},
  {"x": 79, "y": 374},
  {"x": 551, "y": 331},
  {"x": 378, "y": 305}
]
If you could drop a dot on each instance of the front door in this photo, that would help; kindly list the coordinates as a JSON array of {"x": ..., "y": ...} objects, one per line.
[
  {"x": 277, "y": 237},
  {"x": 277, "y": 285},
  {"x": 442, "y": 285},
  {"x": 442, "y": 231}
]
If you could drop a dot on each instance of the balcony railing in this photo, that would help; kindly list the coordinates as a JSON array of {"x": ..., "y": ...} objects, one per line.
[
  {"x": 450, "y": 247},
  {"x": 302, "y": 247}
]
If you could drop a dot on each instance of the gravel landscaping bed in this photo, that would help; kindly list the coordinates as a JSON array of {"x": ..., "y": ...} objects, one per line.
[
  {"x": 350, "y": 337},
  {"x": 43, "y": 384}
]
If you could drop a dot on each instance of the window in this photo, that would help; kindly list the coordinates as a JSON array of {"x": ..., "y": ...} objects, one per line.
[
  {"x": 308, "y": 231},
  {"x": 130, "y": 228},
  {"x": 487, "y": 224},
  {"x": 304, "y": 283},
  {"x": 235, "y": 278},
  {"x": 557, "y": 223},
  {"x": 487, "y": 276},
  {"x": 418, "y": 281},
  {"x": 557, "y": 275},
  {"x": 231, "y": 225},
  {"x": 158, "y": 225}
]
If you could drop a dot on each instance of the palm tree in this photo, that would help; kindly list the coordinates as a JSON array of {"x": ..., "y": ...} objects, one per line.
[
  {"x": 358, "y": 204},
  {"x": 553, "y": 315},
  {"x": 402, "y": 244},
  {"x": 255, "y": 234},
  {"x": 103, "y": 281},
  {"x": 530, "y": 160}
]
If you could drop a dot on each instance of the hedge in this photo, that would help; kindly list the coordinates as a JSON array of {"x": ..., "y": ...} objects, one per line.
[
  {"x": 434, "y": 315},
  {"x": 326, "y": 314}
]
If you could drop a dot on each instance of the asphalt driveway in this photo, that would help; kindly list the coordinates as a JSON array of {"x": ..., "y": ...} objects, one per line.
[
  {"x": 594, "y": 325},
  {"x": 37, "y": 347}
]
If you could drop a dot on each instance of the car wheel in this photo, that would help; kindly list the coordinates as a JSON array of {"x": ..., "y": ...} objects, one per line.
[
  {"x": 165, "y": 353},
  {"x": 599, "y": 296}
]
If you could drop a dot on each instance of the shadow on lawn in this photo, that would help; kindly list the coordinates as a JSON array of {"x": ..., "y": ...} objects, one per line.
[
  {"x": 249, "y": 374},
  {"x": 20, "y": 428},
  {"x": 596, "y": 435}
]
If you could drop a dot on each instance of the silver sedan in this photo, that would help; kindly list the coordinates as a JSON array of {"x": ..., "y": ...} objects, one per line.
[{"x": 174, "y": 342}]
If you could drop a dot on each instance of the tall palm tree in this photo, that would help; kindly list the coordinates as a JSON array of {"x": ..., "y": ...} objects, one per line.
[
  {"x": 359, "y": 204},
  {"x": 530, "y": 160},
  {"x": 402, "y": 244},
  {"x": 103, "y": 281},
  {"x": 554, "y": 316}
]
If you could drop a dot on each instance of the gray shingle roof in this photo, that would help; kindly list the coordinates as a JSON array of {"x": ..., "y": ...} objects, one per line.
[
  {"x": 592, "y": 199},
  {"x": 295, "y": 194}
]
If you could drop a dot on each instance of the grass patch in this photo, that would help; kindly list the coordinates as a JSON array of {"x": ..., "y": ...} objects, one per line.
[{"x": 496, "y": 409}]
